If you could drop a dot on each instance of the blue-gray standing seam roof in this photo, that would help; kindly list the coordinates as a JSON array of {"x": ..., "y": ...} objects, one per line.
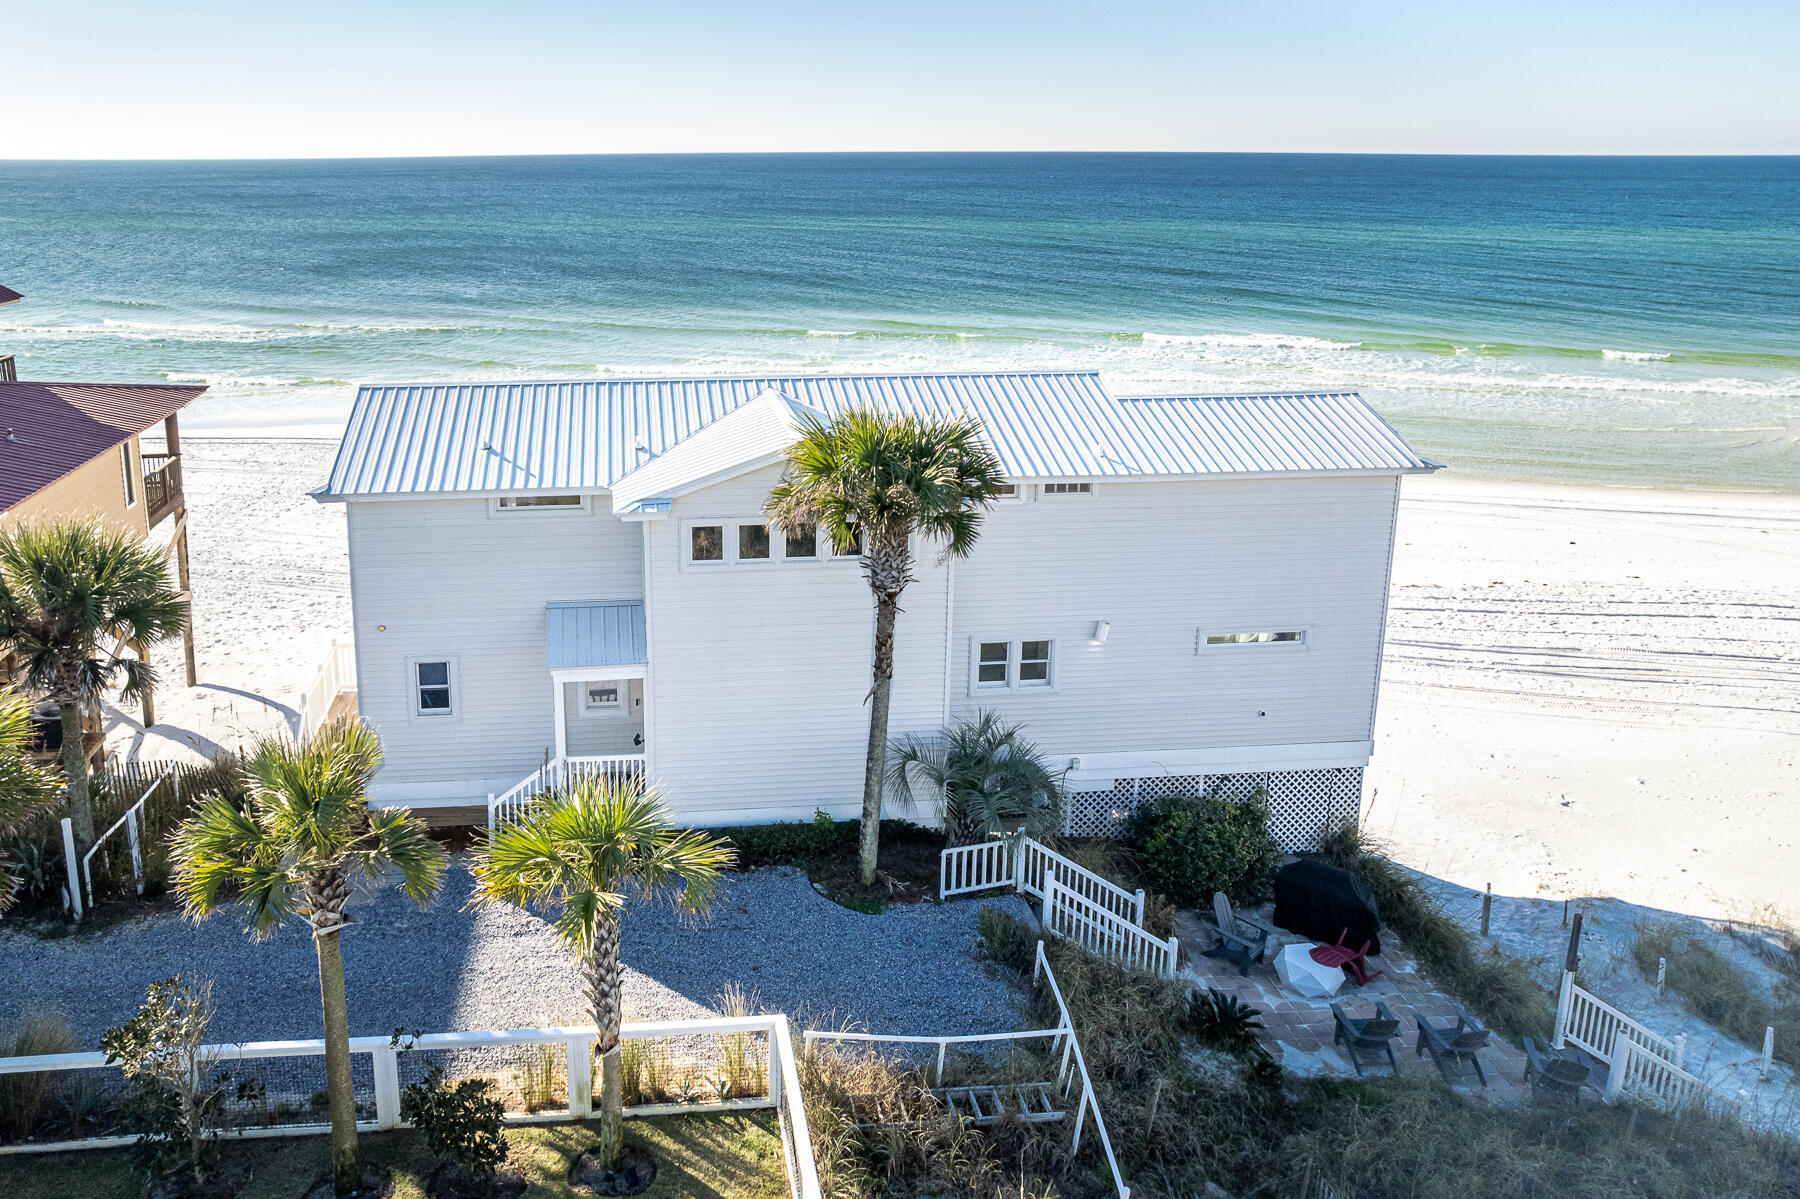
[{"x": 594, "y": 633}]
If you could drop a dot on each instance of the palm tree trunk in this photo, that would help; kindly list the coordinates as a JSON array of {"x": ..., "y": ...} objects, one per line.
[
  {"x": 327, "y": 917},
  {"x": 887, "y": 608},
  {"x": 600, "y": 969},
  {"x": 75, "y": 773}
]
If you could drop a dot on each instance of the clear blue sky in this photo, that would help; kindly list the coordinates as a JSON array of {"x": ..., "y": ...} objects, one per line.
[{"x": 322, "y": 78}]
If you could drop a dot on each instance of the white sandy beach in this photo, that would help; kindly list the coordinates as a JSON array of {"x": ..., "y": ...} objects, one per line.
[{"x": 1587, "y": 691}]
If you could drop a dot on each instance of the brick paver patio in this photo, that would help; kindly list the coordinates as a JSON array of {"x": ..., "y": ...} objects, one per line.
[{"x": 1298, "y": 1030}]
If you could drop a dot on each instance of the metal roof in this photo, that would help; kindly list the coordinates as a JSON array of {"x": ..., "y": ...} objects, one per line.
[
  {"x": 594, "y": 633},
  {"x": 761, "y": 430},
  {"x": 8, "y": 295},
  {"x": 521, "y": 437},
  {"x": 49, "y": 429}
]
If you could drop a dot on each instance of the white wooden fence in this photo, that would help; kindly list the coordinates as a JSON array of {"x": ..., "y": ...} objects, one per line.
[
  {"x": 337, "y": 676},
  {"x": 559, "y": 773},
  {"x": 1640, "y": 1062},
  {"x": 1024, "y": 864},
  {"x": 379, "y": 1062},
  {"x": 1102, "y": 932},
  {"x": 132, "y": 822},
  {"x": 1641, "y": 1072}
]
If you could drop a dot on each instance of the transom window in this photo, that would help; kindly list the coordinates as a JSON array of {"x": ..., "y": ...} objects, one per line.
[
  {"x": 1068, "y": 489},
  {"x": 433, "y": 687},
  {"x": 1288, "y": 636},
  {"x": 518, "y": 503},
  {"x": 1014, "y": 665}
]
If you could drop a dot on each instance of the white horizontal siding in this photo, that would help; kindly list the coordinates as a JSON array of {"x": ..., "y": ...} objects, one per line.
[
  {"x": 759, "y": 674},
  {"x": 1163, "y": 562},
  {"x": 449, "y": 579}
]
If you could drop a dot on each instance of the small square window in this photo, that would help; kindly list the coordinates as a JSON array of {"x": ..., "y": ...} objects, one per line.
[
  {"x": 708, "y": 543},
  {"x": 753, "y": 543},
  {"x": 1034, "y": 664},
  {"x": 803, "y": 543},
  {"x": 854, "y": 550},
  {"x": 434, "y": 688},
  {"x": 991, "y": 671}
]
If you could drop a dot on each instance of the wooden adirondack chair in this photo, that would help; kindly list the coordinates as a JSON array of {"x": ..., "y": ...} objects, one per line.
[
  {"x": 1453, "y": 1045},
  {"x": 1241, "y": 939},
  {"x": 1354, "y": 1034},
  {"x": 1557, "y": 1075}
]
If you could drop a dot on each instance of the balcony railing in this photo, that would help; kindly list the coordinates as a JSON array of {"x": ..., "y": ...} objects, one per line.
[
  {"x": 9, "y": 373},
  {"x": 162, "y": 485}
]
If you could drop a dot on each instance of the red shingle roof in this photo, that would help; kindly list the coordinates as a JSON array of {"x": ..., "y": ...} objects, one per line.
[{"x": 49, "y": 429}]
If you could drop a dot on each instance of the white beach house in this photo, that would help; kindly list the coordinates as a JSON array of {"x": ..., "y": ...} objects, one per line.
[{"x": 1178, "y": 590}]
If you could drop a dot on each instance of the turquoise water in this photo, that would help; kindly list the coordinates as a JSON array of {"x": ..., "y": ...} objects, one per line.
[{"x": 1599, "y": 320}]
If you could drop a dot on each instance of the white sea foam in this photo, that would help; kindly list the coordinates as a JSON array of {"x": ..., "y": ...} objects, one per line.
[
  {"x": 833, "y": 332},
  {"x": 1634, "y": 356},
  {"x": 1248, "y": 341}
]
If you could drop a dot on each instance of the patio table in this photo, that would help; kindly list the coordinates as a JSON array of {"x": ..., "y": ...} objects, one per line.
[{"x": 1295, "y": 966}]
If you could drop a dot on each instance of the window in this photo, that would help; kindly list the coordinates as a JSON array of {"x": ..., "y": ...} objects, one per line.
[
  {"x": 1034, "y": 663},
  {"x": 1009, "y": 493},
  {"x": 1290, "y": 636},
  {"x": 994, "y": 668},
  {"x": 433, "y": 688},
  {"x": 802, "y": 544},
  {"x": 753, "y": 543},
  {"x": 855, "y": 548},
  {"x": 603, "y": 695},
  {"x": 707, "y": 543},
  {"x": 1068, "y": 489},
  {"x": 516, "y": 503},
  {"x": 1014, "y": 665},
  {"x": 125, "y": 467}
]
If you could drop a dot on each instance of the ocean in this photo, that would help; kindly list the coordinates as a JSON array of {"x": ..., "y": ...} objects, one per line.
[{"x": 1601, "y": 320}]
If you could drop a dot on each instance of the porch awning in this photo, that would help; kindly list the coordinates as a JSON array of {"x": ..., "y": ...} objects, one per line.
[{"x": 594, "y": 633}]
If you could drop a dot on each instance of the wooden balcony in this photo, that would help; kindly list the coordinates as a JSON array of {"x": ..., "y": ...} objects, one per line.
[
  {"x": 162, "y": 486},
  {"x": 9, "y": 372}
]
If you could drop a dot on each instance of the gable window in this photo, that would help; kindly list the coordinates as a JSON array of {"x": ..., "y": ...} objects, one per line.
[
  {"x": 125, "y": 467},
  {"x": 1282, "y": 637},
  {"x": 706, "y": 543},
  {"x": 801, "y": 544},
  {"x": 603, "y": 695},
  {"x": 1068, "y": 489},
  {"x": 520, "y": 503},
  {"x": 433, "y": 688},
  {"x": 753, "y": 543},
  {"x": 1014, "y": 665},
  {"x": 854, "y": 549}
]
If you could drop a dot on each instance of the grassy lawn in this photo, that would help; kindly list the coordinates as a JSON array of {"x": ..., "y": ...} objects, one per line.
[{"x": 698, "y": 1157}]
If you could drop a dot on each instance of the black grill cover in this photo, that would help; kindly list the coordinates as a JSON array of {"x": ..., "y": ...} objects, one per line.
[{"x": 1321, "y": 902}]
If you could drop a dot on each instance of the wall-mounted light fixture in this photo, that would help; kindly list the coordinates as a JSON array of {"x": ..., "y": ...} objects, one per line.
[{"x": 1102, "y": 630}]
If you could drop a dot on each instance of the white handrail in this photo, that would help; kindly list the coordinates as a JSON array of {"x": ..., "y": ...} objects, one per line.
[
  {"x": 1596, "y": 1026},
  {"x": 1024, "y": 863},
  {"x": 130, "y": 821},
  {"x": 335, "y": 677},
  {"x": 557, "y": 773},
  {"x": 1642, "y": 1071},
  {"x": 1072, "y": 1060},
  {"x": 1104, "y": 933}
]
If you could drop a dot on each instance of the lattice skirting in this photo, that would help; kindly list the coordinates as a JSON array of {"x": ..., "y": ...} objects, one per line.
[{"x": 1303, "y": 804}]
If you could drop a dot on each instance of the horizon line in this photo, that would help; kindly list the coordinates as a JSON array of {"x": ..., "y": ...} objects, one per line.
[{"x": 917, "y": 153}]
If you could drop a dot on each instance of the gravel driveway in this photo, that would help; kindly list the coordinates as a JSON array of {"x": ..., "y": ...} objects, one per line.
[{"x": 910, "y": 970}]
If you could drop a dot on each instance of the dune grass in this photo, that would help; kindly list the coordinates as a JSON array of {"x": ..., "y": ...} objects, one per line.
[
  {"x": 733, "y": 1156},
  {"x": 1716, "y": 991}
]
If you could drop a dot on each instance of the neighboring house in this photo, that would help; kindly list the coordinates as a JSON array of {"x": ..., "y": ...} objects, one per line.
[
  {"x": 71, "y": 449},
  {"x": 1177, "y": 590}
]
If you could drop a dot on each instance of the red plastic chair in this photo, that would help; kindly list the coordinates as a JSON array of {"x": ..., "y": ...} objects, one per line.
[{"x": 1355, "y": 962}]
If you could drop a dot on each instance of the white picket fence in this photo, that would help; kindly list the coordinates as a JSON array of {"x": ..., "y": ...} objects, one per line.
[
  {"x": 1025, "y": 864},
  {"x": 1640, "y": 1062},
  {"x": 560, "y": 773},
  {"x": 132, "y": 822},
  {"x": 1102, "y": 932},
  {"x": 379, "y": 1062},
  {"x": 336, "y": 676}
]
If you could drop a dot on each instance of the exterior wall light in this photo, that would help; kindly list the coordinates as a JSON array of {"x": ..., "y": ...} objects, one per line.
[{"x": 1102, "y": 629}]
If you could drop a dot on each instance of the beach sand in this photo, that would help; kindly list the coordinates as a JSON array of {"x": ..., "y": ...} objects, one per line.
[{"x": 1586, "y": 691}]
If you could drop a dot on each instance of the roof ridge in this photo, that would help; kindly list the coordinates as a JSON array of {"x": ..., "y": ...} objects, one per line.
[{"x": 729, "y": 377}]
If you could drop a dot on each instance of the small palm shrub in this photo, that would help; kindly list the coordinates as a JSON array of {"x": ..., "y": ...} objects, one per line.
[
  {"x": 1196, "y": 845},
  {"x": 462, "y": 1123},
  {"x": 984, "y": 776},
  {"x": 1225, "y": 1022}
]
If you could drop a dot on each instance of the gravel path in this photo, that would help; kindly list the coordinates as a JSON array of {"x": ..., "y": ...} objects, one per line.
[{"x": 910, "y": 970}]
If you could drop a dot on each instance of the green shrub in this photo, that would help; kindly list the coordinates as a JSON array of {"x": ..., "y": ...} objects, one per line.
[
  {"x": 794, "y": 843},
  {"x": 174, "y": 1105},
  {"x": 1006, "y": 939},
  {"x": 1194, "y": 846},
  {"x": 26, "y": 1098},
  {"x": 1224, "y": 1022},
  {"x": 984, "y": 777},
  {"x": 462, "y": 1122}
]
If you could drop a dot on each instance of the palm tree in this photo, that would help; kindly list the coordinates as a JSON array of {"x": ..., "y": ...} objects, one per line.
[
  {"x": 25, "y": 788},
  {"x": 986, "y": 776},
  {"x": 874, "y": 479},
  {"x": 69, "y": 590},
  {"x": 304, "y": 832},
  {"x": 582, "y": 850}
]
